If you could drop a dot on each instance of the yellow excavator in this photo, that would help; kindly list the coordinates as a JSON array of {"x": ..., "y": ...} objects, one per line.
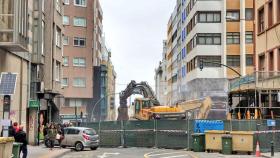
[{"x": 145, "y": 110}]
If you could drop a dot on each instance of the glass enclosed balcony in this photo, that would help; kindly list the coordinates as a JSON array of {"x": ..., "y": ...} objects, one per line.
[{"x": 13, "y": 25}]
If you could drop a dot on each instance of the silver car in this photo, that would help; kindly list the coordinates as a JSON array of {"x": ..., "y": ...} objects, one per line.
[{"x": 80, "y": 138}]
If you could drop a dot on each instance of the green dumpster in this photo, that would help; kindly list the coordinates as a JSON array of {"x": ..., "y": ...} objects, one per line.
[
  {"x": 227, "y": 144},
  {"x": 198, "y": 142},
  {"x": 16, "y": 149}
]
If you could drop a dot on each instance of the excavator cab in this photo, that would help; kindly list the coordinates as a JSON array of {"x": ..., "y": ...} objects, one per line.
[{"x": 142, "y": 108}]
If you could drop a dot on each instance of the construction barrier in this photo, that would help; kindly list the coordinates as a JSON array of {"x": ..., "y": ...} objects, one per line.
[{"x": 177, "y": 134}]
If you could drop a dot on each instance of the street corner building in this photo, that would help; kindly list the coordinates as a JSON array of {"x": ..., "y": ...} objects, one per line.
[
  {"x": 51, "y": 48},
  {"x": 87, "y": 67},
  {"x": 237, "y": 42},
  {"x": 31, "y": 47}
]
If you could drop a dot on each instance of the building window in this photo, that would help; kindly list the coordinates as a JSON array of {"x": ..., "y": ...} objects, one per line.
[
  {"x": 233, "y": 60},
  {"x": 261, "y": 20},
  {"x": 79, "y": 82},
  {"x": 57, "y": 71},
  {"x": 233, "y": 15},
  {"x": 249, "y": 14},
  {"x": 270, "y": 14},
  {"x": 233, "y": 37},
  {"x": 208, "y": 39},
  {"x": 209, "y": 17},
  {"x": 81, "y": 3},
  {"x": 65, "y": 20},
  {"x": 249, "y": 37},
  {"x": 79, "y": 42},
  {"x": 249, "y": 60},
  {"x": 79, "y": 21},
  {"x": 65, "y": 40},
  {"x": 58, "y": 37},
  {"x": 261, "y": 62},
  {"x": 210, "y": 61},
  {"x": 184, "y": 71},
  {"x": 58, "y": 6},
  {"x": 65, "y": 61},
  {"x": 64, "y": 82},
  {"x": 66, "y": 2},
  {"x": 81, "y": 62}
]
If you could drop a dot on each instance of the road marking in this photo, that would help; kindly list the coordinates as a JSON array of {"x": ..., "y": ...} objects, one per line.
[
  {"x": 165, "y": 154},
  {"x": 107, "y": 154},
  {"x": 175, "y": 156}
]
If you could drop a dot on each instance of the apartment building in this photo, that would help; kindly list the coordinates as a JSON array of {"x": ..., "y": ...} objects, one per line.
[
  {"x": 267, "y": 35},
  {"x": 14, "y": 59},
  {"x": 82, "y": 22},
  {"x": 215, "y": 31},
  {"x": 31, "y": 48}
]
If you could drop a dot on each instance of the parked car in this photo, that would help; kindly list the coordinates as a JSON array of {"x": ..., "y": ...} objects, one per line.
[{"x": 80, "y": 138}]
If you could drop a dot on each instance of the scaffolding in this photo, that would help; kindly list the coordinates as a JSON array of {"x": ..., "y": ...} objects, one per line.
[{"x": 255, "y": 96}]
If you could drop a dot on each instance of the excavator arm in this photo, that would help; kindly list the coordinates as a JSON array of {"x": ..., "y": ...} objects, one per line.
[{"x": 141, "y": 88}]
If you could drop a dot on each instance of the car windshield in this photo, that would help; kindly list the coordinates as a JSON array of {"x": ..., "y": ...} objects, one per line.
[{"x": 89, "y": 132}]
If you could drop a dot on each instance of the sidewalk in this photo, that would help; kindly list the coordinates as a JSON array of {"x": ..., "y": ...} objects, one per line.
[
  {"x": 43, "y": 152},
  {"x": 218, "y": 155}
]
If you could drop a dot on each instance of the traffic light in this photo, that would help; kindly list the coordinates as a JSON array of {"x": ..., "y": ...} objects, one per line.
[
  {"x": 201, "y": 64},
  {"x": 230, "y": 99}
]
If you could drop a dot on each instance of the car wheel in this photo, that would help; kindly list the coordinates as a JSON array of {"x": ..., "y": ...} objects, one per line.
[
  {"x": 63, "y": 146},
  {"x": 93, "y": 148},
  {"x": 79, "y": 146}
]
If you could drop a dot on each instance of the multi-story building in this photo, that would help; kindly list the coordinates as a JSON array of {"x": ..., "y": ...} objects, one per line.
[
  {"x": 161, "y": 78},
  {"x": 267, "y": 35},
  {"x": 32, "y": 48},
  {"x": 82, "y": 22},
  {"x": 14, "y": 58},
  {"x": 220, "y": 34},
  {"x": 111, "y": 90},
  {"x": 104, "y": 88}
]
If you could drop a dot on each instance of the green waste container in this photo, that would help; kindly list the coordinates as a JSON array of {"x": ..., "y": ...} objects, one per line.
[
  {"x": 16, "y": 149},
  {"x": 198, "y": 142},
  {"x": 227, "y": 144}
]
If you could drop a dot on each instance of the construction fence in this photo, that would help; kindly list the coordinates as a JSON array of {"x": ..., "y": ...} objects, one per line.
[{"x": 176, "y": 134}]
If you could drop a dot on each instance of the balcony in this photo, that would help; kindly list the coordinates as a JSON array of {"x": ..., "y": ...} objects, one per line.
[{"x": 13, "y": 25}]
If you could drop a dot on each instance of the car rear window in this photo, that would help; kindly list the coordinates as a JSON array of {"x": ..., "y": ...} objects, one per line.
[{"x": 90, "y": 132}]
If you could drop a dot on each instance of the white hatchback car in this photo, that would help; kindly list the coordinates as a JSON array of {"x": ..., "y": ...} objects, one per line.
[{"x": 80, "y": 138}]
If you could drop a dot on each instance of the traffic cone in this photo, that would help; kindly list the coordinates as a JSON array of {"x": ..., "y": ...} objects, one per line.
[{"x": 258, "y": 152}]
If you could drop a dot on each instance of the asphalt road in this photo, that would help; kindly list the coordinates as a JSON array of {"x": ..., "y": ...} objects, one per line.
[{"x": 128, "y": 153}]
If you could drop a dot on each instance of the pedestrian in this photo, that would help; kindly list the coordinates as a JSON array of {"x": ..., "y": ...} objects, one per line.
[
  {"x": 20, "y": 137},
  {"x": 16, "y": 127},
  {"x": 60, "y": 132},
  {"x": 52, "y": 135}
]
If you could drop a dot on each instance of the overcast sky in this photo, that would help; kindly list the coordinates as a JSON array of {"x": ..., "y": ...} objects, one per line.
[{"x": 134, "y": 30}]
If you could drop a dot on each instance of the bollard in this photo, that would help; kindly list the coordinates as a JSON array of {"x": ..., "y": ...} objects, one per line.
[{"x": 272, "y": 148}]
